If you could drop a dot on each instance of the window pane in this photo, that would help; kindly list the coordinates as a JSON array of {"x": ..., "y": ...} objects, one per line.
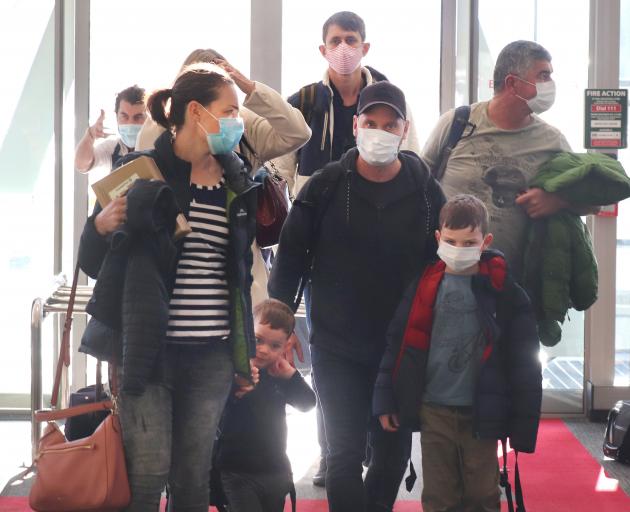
[
  {"x": 568, "y": 44},
  {"x": 27, "y": 158},
  {"x": 405, "y": 48}
]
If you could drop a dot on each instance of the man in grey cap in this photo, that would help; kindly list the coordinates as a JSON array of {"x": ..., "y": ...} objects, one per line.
[{"x": 359, "y": 231}]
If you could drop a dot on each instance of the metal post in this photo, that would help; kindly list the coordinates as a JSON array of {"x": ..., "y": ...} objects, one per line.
[
  {"x": 448, "y": 47},
  {"x": 266, "y": 42},
  {"x": 473, "y": 77},
  {"x": 599, "y": 343},
  {"x": 37, "y": 317}
]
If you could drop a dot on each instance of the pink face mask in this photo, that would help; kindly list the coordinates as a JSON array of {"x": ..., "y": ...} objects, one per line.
[{"x": 344, "y": 59}]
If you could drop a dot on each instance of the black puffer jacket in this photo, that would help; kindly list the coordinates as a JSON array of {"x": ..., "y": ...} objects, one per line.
[
  {"x": 140, "y": 256},
  {"x": 366, "y": 252},
  {"x": 241, "y": 206},
  {"x": 508, "y": 392}
]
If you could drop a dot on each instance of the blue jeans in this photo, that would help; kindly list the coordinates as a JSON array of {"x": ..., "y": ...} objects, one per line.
[
  {"x": 345, "y": 391},
  {"x": 169, "y": 430}
]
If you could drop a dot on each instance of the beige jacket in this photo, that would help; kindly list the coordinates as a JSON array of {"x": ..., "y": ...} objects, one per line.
[
  {"x": 287, "y": 164},
  {"x": 273, "y": 128}
]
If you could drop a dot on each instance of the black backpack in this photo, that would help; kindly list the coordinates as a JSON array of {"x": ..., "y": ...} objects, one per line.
[{"x": 616, "y": 440}]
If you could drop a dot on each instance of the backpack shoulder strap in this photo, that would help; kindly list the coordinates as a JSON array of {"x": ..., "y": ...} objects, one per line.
[
  {"x": 307, "y": 101},
  {"x": 460, "y": 121},
  {"x": 323, "y": 185}
]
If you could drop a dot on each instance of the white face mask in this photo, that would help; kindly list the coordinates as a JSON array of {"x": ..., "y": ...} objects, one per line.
[
  {"x": 545, "y": 96},
  {"x": 378, "y": 147},
  {"x": 458, "y": 258}
]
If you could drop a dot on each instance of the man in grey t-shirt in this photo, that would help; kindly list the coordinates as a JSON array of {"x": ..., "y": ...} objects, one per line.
[{"x": 496, "y": 159}]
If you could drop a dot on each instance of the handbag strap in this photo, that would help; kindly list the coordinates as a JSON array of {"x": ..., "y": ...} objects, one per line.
[
  {"x": 275, "y": 172},
  {"x": 77, "y": 410},
  {"x": 64, "y": 359},
  {"x": 64, "y": 349}
]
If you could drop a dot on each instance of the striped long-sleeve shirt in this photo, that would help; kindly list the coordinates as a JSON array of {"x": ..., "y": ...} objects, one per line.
[{"x": 199, "y": 307}]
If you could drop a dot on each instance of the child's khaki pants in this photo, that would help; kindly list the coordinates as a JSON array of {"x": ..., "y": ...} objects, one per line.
[{"x": 460, "y": 473}]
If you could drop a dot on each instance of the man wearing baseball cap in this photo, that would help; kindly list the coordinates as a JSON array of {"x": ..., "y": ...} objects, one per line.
[{"x": 359, "y": 231}]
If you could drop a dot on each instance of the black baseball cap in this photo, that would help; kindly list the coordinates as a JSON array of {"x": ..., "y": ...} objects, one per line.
[{"x": 383, "y": 93}]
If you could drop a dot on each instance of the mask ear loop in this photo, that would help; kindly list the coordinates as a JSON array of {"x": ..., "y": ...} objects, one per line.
[
  {"x": 527, "y": 82},
  {"x": 215, "y": 117}
]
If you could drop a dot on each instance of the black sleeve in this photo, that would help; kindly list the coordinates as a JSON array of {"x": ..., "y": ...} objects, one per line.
[
  {"x": 293, "y": 255},
  {"x": 383, "y": 400},
  {"x": 436, "y": 199},
  {"x": 298, "y": 393},
  {"x": 92, "y": 246},
  {"x": 524, "y": 373}
]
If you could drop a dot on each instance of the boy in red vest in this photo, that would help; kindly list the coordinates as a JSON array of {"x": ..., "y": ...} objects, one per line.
[{"x": 462, "y": 359}]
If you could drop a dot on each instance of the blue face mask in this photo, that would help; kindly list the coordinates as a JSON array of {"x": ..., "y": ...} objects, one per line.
[
  {"x": 230, "y": 132},
  {"x": 129, "y": 134}
]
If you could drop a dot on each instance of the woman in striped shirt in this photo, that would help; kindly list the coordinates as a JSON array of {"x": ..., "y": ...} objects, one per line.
[{"x": 169, "y": 425}]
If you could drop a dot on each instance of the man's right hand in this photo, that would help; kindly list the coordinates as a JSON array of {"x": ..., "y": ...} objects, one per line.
[
  {"x": 389, "y": 422},
  {"x": 293, "y": 344},
  {"x": 96, "y": 131},
  {"x": 111, "y": 217}
]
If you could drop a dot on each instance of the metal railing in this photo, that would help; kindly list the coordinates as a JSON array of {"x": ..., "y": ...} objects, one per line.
[{"x": 57, "y": 303}]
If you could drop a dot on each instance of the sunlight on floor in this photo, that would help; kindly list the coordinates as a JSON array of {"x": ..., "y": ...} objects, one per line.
[
  {"x": 302, "y": 447},
  {"x": 606, "y": 484}
]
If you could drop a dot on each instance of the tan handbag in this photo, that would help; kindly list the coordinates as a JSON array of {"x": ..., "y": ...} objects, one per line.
[{"x": 87, "y": 474}]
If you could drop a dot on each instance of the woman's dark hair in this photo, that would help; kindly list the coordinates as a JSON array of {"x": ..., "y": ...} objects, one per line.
[{"x": 196, "y": 83}]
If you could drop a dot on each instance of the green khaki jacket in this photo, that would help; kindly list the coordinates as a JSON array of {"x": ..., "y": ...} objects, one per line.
[{"x": 560, "y": 270}]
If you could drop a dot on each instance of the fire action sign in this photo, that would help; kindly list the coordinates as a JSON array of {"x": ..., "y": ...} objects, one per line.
[{"x": 606, "y": 119}]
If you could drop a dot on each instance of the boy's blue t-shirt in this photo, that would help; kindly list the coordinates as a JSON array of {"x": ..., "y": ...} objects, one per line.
[{"x": 456, "y": 344}]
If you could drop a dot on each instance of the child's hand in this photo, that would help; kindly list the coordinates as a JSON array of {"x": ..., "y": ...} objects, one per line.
[
  {"x": 282, "y": 369},
  {"x": 254, "y": 372},
  {"x": 243, "y": 390},
  {"x": 389, "y": 422},
  {"x": 245, "y": 386}
]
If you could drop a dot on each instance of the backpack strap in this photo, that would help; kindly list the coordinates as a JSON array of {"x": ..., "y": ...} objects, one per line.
[
  {"x": 460, "y": 121},
  {"x": 320, "y": 199},
  {"x": 116, "y": 154},
  {"x": 411, "y": 479},
  {"x": 504, "y": 482},
  {"x": 307, "y": 101}
]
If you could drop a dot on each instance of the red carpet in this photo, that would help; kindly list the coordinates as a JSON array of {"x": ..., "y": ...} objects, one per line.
[{"x": 562, "y": 476}]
